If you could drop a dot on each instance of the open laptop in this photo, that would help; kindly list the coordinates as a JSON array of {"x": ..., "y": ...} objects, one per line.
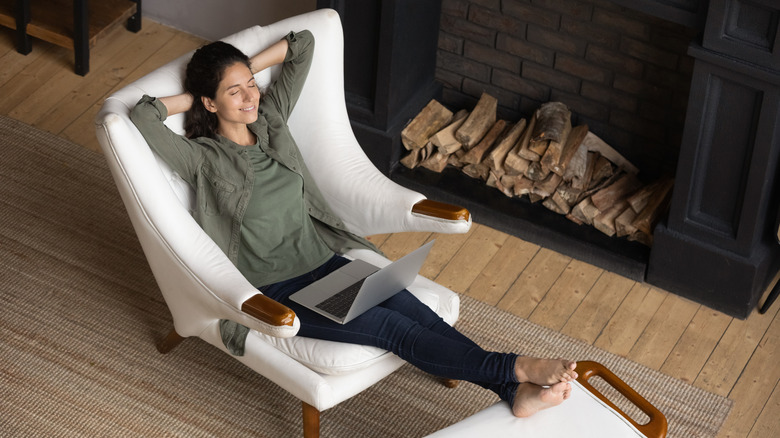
[{"x": 358, "y": 286}]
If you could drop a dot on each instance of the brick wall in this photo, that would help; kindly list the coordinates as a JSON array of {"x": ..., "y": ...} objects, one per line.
[{"x": 624, "y": 73}]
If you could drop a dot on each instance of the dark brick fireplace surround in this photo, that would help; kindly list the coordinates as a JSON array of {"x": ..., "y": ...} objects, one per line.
[{"x": 683, "y": 87}]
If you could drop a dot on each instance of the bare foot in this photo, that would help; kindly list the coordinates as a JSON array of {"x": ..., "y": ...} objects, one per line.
[
  {"x": 544, "y": 371},
  {"x": 531, "y": 398}
]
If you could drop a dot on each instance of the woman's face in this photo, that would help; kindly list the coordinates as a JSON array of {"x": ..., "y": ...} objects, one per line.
[{"x": 237, "y": 97}]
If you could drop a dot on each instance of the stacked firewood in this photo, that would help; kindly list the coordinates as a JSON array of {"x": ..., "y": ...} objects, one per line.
[{"x": 567, "y": 169}]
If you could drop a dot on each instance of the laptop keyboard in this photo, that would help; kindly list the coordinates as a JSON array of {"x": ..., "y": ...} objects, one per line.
[{"x": 338, "y": 305}]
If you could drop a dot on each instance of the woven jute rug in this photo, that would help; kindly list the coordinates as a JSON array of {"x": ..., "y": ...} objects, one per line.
[{"x": 80, "y": 314}]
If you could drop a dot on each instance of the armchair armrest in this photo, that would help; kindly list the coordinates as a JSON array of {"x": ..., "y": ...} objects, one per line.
[
  {"x": 268, "y": 310},
  {"x": 655, "y": 428}
]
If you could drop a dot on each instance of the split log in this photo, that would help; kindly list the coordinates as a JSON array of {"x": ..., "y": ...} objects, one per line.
[
  {"x": 564, "y": 207},
  {"x": 436, "y": 162},
  {"x": 551, "y": 121},
  {"x": 585, "y": 211},
  {"x": 656, "y": 205},
  {"x": 547, "y": 186},
  {"x": 624, "y": 223},
  {"x": 476, "y": 171},
  {"x": 577, "y": 167},
  {"x": 595, "y": 144},
  {"x": 571, "y": 149},
  {"x": 639, "y": 200},
  {"x": 605, "y": 221},
  {"x": 552, "y": 155},
  {"x": 509, "y": 181},
  {"x": 553, "y": 206},
  {"x": 533, "y": 197},
  {"x": 454, "y": 161},
  {"x": 412, "y": 159},
  {"x": 430, "y": 120},
  {"x": 505, "y": 184},
  {"x": 642, "y": 237},
  {"x": 569, "y": 194},
  {"x": 522, "y": 150},
  {"x": 427, "y": 151},
  {"x": 523, "y": 186},
  {"x": 538, "y": 147},
  {"x": 574, "y": 219},
  {"x": 535, "y": 171},
  {"x": 495, "y": 160},
  {"x": 445, "y": 139},
  {"x": 476, "y": 154},
  {"x": 515, "y": 165},
  {"x": 602, "y": 184},
  {"x": 491, "y": 180},
  {"x": 582, "y": 180},
  {"x": 478, "y": 122},
  {"x": 602, "y": 170},
  {"x": 615, "y": 192}
]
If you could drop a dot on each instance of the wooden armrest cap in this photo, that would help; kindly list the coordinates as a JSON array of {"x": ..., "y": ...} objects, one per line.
[
  {"x": 656, "y": 428},
  {"x": 268, "y": 310},
  {"x": 441, "y": 210}
]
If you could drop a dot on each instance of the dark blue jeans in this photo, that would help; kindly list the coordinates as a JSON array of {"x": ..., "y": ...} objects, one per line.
[{"x": 408, "y": 328}]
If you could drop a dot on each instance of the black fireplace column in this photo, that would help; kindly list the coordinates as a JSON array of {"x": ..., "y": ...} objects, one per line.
[
  {"x": 719, "y": 246},
  {"x": 389, "y": 68}
]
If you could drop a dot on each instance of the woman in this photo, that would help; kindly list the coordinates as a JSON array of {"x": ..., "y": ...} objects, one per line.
[{"x": 256, "y": 199}]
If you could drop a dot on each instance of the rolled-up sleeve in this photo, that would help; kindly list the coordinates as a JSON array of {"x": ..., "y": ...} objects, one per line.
[
  {"x": 182, "y": 154},
  {"x": 287, "y": 88}
]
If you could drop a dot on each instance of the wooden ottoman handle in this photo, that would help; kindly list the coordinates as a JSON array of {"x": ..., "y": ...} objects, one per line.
[{"x": 655, "y": 428}]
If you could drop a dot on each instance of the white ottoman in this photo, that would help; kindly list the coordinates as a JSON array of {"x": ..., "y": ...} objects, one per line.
[{"x": 587, "y": 413}]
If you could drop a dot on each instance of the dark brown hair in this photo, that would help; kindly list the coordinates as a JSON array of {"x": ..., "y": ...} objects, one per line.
[{"x": 204, "y": 73}]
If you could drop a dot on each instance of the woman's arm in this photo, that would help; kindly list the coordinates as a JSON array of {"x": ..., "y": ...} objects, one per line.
[
  {"x": 287, "y": 87},
  {"x": 272, "y": 55},
  {"x": 179, "y": 103},
  {"x": 149, "y": 115}
]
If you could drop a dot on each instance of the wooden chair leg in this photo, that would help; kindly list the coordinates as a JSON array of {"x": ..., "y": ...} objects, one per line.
[
  {"x": 450, "y": 383},
  {"x": 169, "y": 342},
  {"x": 311, "y": 421}
]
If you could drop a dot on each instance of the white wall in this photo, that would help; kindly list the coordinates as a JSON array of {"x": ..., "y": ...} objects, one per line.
[{"x": 214, "y": 19}]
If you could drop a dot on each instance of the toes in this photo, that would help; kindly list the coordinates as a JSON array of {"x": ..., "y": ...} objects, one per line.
[{"x": 570, "y": 366}]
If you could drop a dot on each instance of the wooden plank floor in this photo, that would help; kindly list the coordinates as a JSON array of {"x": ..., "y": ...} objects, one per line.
[{"x": 727, "y": 356}]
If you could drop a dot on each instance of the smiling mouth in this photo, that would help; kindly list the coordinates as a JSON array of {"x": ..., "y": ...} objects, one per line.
[{"x": 248, "y": 108}]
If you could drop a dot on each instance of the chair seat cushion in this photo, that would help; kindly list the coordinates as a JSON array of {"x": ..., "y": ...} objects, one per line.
[{"x": 333, "y": 358}]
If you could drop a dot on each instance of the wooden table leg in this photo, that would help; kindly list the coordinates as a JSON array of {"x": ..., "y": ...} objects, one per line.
[
  {"x": 81, "y": 36},
  {"x": 23, "y": 41},
  {"x": 169, "y": 342},
  {"x": 134, "y": 22}
]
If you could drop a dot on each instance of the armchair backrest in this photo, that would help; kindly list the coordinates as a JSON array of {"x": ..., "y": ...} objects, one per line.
[{"x": 198, "y": 282}]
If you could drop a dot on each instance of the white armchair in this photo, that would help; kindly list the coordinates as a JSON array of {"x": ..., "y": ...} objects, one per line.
[{"x": 198, "y": 282}]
